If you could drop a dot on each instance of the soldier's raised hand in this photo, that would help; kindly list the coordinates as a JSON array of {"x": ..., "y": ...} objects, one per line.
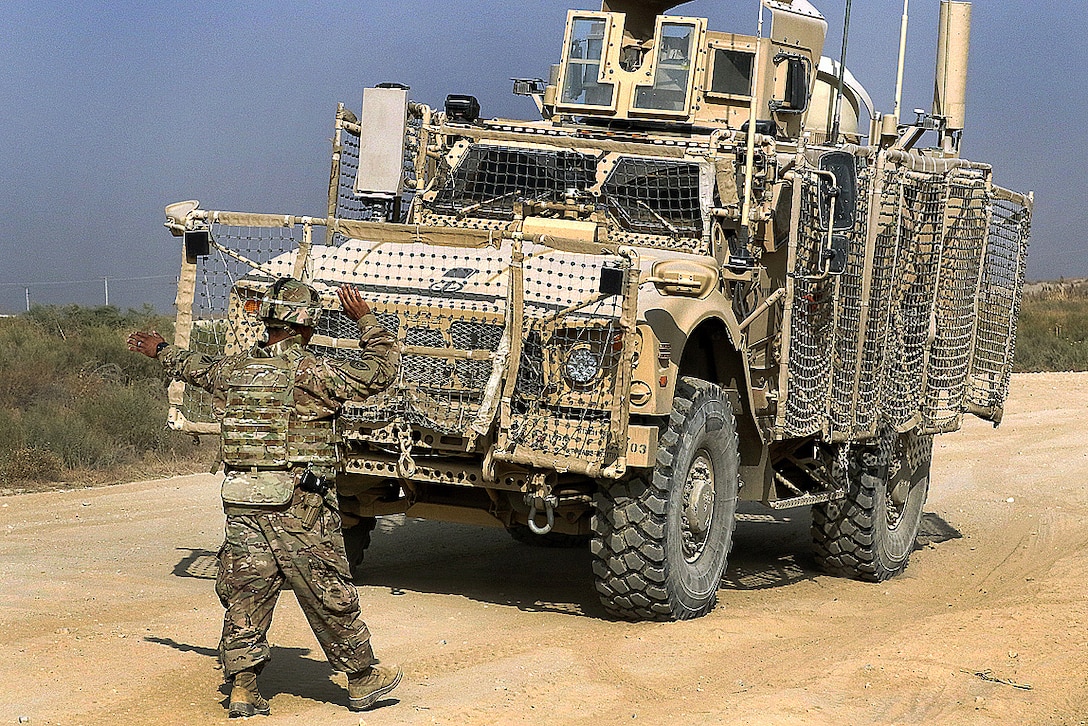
[
  {"x": 146, "y": 343},
  {"x": 353, "y": 303}
]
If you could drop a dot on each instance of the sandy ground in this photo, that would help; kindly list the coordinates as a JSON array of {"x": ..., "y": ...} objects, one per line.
[{"x": 108, "y": 616}]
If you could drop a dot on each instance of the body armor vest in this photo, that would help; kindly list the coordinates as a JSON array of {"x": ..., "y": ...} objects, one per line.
[{"x": 261, "y": 427}]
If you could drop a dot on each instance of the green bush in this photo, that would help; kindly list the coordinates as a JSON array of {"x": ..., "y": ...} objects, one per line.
[
  {"x": 1053, "y": 330},
  {"x": 72, "y": 396},
  {"x": 30, "y": 464}
]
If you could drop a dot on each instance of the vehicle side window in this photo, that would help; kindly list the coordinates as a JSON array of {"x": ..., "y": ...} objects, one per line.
[{"x": 732, "y": 72}]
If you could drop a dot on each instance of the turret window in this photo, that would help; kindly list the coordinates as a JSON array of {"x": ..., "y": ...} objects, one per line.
[{"x": 731, "y": 74}]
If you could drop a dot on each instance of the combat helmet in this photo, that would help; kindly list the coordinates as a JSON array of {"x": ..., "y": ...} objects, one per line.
[{"x": 289, "y": 301}]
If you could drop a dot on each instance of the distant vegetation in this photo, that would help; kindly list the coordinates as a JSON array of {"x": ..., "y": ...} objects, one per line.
[
  {"x": 75, "y": 403},
  {"x": 1053, "y": 332}
]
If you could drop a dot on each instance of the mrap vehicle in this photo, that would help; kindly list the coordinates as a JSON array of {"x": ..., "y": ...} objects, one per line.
[{"x": 709, "y": 272}]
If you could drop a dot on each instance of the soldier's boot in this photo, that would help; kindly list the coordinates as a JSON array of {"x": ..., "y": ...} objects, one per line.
[
  {"x": 366, "y": 687},
  {"x": 245, "y": 699}
]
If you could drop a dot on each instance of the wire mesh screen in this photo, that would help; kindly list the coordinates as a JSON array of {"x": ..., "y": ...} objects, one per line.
[
  {"x": 650, "y": 202},
  {"x": 655, "y": 196},
  {"x": 447, "y": 308},
  {"x": 490, "y": 179},
  {"x": 245, "y": 259},
  {"x": 918, "y": 328},
  {"x": 916, "y": 272},
  {"x": 812, "y": 327},
  {"x": 964, "y": 239},
  {"x": 567, "y": 403},
  {"x": 443, "y": 387},
  {"x": 999, "y": 299}
]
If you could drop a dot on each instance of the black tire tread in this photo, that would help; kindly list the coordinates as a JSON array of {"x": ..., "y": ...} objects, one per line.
[
  {"x": 629, "y": 562},
  {"x": 845, "y": 534}
]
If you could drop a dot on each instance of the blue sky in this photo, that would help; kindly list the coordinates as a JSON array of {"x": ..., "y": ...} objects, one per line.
[{"x": 112, "y": 110}]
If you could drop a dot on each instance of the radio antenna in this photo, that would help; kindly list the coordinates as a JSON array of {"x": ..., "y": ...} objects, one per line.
[{"x": 842, "y": 74}]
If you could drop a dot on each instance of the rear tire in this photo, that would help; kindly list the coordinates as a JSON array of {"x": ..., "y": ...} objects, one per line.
[
  {"x": 661, "y": 537},
  {"x": 870, "y": 534}
]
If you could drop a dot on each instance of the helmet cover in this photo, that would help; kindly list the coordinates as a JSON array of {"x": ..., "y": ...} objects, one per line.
[{"x": 289, "y": 301}]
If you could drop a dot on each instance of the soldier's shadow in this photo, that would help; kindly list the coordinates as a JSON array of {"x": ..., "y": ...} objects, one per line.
[{"x": 290, "y": 671}]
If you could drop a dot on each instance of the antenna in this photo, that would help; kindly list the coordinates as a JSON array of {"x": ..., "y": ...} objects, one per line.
[
  {"x": 902, "y": 62},
  {"x": 842, "y": 73},
  {"x": 750, "y": 155}
]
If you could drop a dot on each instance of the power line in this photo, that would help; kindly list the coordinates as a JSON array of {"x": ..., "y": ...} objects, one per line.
[{"x": 85, "y": 282}]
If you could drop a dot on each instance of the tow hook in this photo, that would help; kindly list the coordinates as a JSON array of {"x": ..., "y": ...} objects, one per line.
[{"x": 548, "y": 504}]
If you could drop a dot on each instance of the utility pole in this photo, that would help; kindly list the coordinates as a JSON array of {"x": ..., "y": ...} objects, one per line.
[
  {"x": 28, "y": 299},
  {"x": 106, "y": 284}
]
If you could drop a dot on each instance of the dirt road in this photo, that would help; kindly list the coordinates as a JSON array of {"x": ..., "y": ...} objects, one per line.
[{"x": 107, "y": 613}]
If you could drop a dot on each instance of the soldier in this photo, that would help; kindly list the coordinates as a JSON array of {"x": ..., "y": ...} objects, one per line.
[{"x": 278, "y": 403}]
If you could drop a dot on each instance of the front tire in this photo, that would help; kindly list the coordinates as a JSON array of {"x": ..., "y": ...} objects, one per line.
[
  {"x": 661, "y": 537},
  {"x": 870, "y": 534}
]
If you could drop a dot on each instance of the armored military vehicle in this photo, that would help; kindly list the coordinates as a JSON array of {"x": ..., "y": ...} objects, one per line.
[{"x": 709, "y": 271}]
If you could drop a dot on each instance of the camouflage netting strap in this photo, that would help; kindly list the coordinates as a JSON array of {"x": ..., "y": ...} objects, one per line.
[{"x": 921, "y": 325}]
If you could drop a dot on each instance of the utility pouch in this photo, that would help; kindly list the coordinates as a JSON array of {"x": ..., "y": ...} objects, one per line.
[{"x": 258, "y": 488}]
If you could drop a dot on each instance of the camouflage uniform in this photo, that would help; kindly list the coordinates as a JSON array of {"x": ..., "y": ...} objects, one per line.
[{"x": 267, "y": 546}]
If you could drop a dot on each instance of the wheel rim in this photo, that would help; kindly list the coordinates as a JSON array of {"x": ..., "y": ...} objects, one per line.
[{"x": 698, "y": 505}]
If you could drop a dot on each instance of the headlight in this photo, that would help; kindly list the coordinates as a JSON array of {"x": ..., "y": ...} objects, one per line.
[{"x": 582, "y": 366}]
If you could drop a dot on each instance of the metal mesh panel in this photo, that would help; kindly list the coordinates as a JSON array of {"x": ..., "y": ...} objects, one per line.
[
  {"x": 570, "y": 384},
  {"x": 850, "y": 311},
  {"x": 919, "y": 327},
  {"x": 883, "y": 282},
  {"x": 813, "y": 326},
  {"x": 999, "y": 305},
  {"x": 920, "y": 226},
  {"x": 434, "y": 390},
  {"x": 256, "y": 254},
  {"x": 447, "y": 307},
  {"x": 954, "y": 301},
  {"x": 655, "y": 196},
  {"x": 490, "y": 179}
]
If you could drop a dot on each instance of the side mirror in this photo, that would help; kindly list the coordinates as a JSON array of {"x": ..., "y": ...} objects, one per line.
[
  {"x": 795, "y": 98},
  {"x": 838, "y": 201},
  {"x": 837, "y": 210}
]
